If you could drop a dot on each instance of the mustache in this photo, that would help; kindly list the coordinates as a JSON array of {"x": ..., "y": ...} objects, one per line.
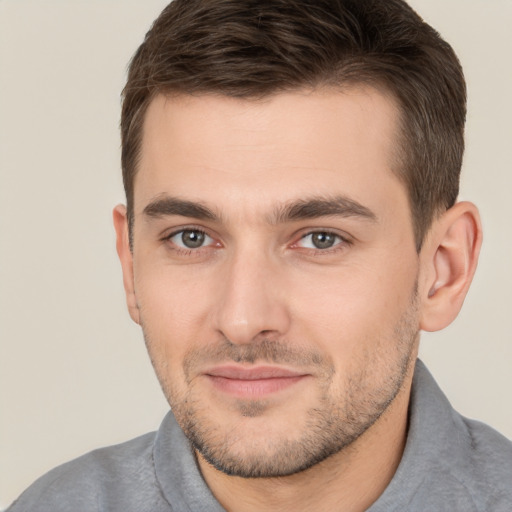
[{"x": 262, "y": 351}]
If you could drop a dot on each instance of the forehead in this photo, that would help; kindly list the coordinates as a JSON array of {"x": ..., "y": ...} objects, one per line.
[{"x": 218, "y": 149}]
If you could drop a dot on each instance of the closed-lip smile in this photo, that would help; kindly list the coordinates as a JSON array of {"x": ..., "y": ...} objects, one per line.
[{"x": 252, "y": 382}]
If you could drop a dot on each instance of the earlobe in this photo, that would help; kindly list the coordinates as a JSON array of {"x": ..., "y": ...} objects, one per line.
[
  {"x": 449, "y": 260},
  {"x": 126, "y": 258}
]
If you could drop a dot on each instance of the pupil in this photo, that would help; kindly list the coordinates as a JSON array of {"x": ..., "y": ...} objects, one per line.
[
  {"x": 192, "y": 239},
  {"x": 323, "y": 240}
]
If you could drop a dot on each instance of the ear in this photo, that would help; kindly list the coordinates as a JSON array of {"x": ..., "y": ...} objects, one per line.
[
  {"x": 449, "y": 258},
  {"x": 126, "y": 257}
]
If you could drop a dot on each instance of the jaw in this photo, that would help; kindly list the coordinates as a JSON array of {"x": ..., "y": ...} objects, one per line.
[{"x": 350, "y": 479}]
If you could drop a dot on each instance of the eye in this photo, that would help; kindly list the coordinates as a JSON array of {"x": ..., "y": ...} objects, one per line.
[
  {"x": 190, "y": 239},
  {"x": 320, "y": 240}
]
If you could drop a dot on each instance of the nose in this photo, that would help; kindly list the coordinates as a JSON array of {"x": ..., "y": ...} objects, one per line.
[{"x": 252, "y": 301}]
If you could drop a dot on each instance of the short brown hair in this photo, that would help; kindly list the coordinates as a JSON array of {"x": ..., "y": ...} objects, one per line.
[{"x": 255, "y": 48}]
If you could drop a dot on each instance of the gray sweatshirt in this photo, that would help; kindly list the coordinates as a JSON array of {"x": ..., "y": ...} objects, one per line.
[{"x": 450, "y": 464}]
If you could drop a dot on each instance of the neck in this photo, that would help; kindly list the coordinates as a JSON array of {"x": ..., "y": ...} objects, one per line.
[{"x": 351, "y": 480}]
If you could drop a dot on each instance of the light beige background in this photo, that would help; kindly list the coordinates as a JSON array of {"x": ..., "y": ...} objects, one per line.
[{"x": 74, "y": 374}]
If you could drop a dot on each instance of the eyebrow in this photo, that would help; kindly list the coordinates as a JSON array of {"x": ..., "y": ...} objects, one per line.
[
  {"x": 165, "y": 206},
  {"x": 316, "y": 207},
  {"x": 309, "y": 208}
]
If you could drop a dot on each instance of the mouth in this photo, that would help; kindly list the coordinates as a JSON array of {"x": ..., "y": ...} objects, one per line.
[{"x": 254, "y": 382}]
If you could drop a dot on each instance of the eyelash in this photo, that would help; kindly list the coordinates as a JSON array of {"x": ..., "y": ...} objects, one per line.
[
  {"x": 181, "y": 250},
  {"x": 343, "y": 243}
]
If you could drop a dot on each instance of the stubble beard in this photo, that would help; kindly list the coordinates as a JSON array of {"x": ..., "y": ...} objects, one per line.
[{"x": 330, "y": 426}]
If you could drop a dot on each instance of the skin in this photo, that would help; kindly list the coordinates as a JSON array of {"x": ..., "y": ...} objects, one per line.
[{"x": 250, "y": 182}]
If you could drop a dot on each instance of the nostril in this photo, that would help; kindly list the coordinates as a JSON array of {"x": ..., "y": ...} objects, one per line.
[{"x": 268, "y": 335}]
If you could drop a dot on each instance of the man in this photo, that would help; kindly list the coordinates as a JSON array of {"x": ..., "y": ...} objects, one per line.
[{"x": 291, "y": 171}]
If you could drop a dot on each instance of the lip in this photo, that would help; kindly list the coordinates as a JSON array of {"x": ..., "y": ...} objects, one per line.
[{"x": 254, "y": 382}]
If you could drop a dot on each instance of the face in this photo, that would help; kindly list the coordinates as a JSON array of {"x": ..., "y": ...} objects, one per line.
[{"x": 274, "y": 272}]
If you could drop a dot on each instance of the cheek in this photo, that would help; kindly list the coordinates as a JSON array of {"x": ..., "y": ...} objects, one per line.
[
  {"x": 348, "y": 310},
  {"x": 174, "y": 307}
]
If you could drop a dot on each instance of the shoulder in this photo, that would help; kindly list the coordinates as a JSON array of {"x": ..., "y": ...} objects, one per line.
[
  {"x": 487, "y": 474},
  {"x": 469, "y": 461},
  {"x": 110, "y": 475},
  {"x": 450, "y": 463},
  {"x": 156, "y": 472}
]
